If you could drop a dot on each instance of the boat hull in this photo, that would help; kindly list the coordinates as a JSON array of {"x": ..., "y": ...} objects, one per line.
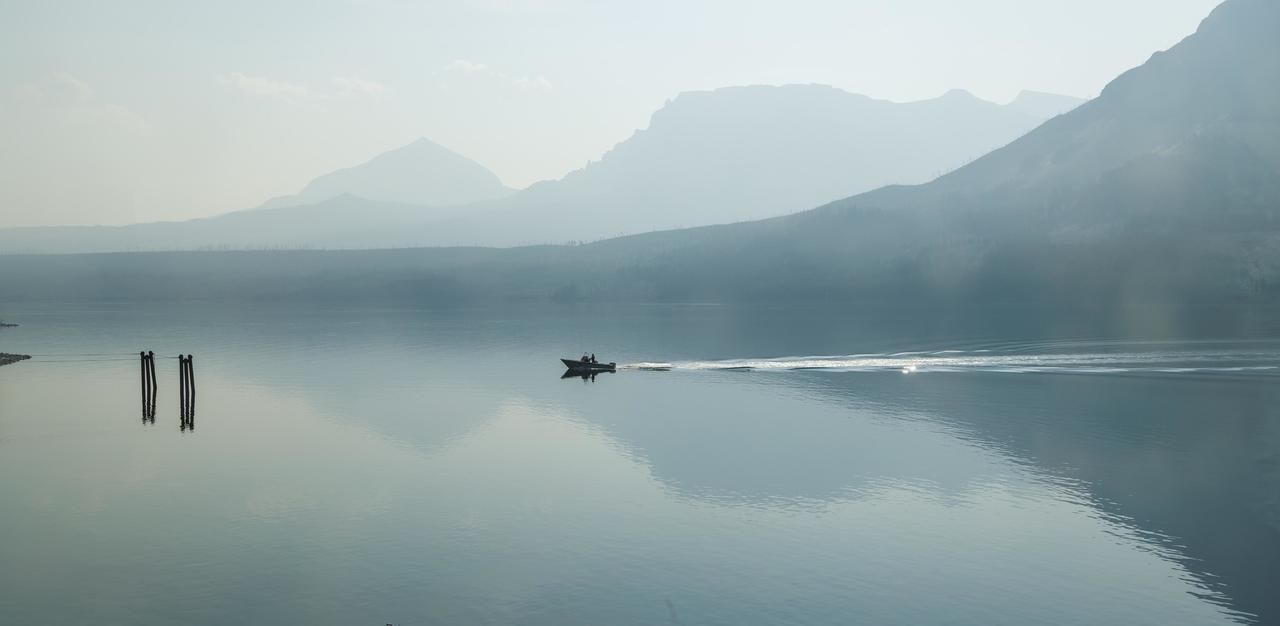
[{"x": 583, "y": 366}]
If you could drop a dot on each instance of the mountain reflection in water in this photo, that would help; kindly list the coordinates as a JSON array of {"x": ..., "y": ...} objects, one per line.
[{"x": 436, "y": 444}]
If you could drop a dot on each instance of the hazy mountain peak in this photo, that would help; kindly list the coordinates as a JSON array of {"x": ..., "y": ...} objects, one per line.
[
  {"x": 421, "y": 146},
  {"x": 421, "y": 172},
  {"x": 1233, "y": 31},
  {"x": 1219, "y": 84},
  {"x": 1252, "y": 19},
  {"x": 959, "y": 94}
]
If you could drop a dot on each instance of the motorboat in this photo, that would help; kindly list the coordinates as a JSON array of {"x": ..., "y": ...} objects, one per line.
[{"x": 580, "y": 365}]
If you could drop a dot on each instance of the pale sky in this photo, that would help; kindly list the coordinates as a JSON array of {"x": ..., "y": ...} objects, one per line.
[{"x": 118, "y": 112}]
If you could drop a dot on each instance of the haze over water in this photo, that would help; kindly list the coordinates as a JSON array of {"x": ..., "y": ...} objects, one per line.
[{"x": 411, "y": 466}]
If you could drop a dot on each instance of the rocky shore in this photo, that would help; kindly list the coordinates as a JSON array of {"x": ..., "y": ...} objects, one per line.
[{"x": 6, "y": 359}]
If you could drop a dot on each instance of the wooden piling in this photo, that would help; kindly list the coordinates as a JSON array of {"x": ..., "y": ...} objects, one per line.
[
  {"x": 147, "y": 363},
  {"x": 187, "y": 391},
  {"x": 182, "y": 388},
  {"x": 155, "y": 387},
  {"x": 146, "y": 384}
]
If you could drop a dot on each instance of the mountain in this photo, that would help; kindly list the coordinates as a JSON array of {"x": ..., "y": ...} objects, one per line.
[
  {"x": 709, "y": 157},
  {"x": 369, "y": 205},
  {"x": 1161, "y": 195},
  {"x": 1163, "y": 190},
  {"x": 744, "y": 153},
  {"x": 422, "y": 172}
]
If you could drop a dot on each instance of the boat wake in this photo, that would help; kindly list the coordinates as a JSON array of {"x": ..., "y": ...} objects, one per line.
[{"x": 1114, "y": 358}]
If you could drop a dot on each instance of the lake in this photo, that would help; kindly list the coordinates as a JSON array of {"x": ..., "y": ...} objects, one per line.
[{"x": 745, "y": 465}]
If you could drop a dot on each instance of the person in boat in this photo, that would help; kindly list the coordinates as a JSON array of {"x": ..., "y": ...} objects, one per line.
[
  {"x": 585, "y": 358},
  {"x": 593, "y": 358}
]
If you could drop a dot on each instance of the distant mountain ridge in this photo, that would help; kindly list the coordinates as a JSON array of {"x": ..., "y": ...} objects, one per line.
[
  {"x": 742, "y": 153},
  {"x": 727, "y": 155},
  {"x": 1164, "y": 189}
]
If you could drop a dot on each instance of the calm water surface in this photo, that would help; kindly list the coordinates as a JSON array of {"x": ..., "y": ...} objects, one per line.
[{"x": 745, "y": 466}]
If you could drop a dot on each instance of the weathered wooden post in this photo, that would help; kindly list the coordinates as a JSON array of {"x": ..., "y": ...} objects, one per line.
[
  {"x": 187, "y": 391},
  {"x": 147, "y": 361},
  {"x": 146, "y": 384},
  {"x": 182, "y": 389},
  {"x": 155, "y": 386}
]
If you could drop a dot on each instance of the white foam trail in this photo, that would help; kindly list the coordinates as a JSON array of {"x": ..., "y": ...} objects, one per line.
[
  {"x": 1010, "y": 361},
  {"x": 659, "y": 367}
]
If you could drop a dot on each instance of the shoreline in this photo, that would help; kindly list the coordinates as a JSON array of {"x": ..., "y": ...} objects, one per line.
[{"x": 7, "y": 359}]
